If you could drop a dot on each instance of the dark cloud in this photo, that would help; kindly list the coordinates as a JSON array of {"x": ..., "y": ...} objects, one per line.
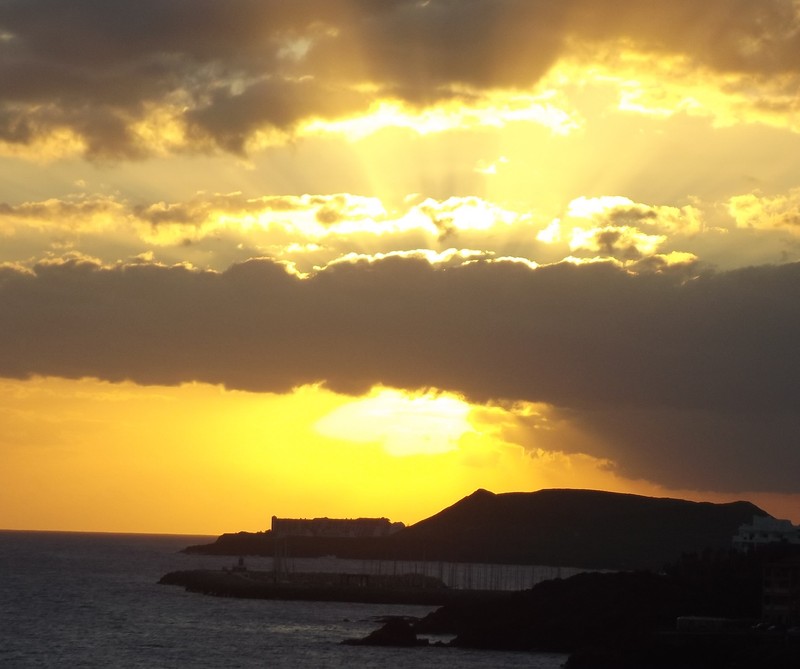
[
  {"x": 611, "y": 244},
  {"x": 239, "y": 65},
  {"x": 229, "y": 119},
  {"x": 682, "y": 380},
  {"x": 700, "y": 448},
  {"x": 727, "y": 35}
]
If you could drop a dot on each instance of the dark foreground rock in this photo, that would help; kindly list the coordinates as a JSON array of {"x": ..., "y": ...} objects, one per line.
[
  {"x": 395, "y": 632},
  {"x": 587, "y": 610},
  {"x": 746, "y": 650},
  {"x": 611, "y": 610},
  {"x": 628, "y": 620}
]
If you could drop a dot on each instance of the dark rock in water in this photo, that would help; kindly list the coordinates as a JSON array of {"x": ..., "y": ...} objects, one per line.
[
  {"x": 631, "y": 619},
  {"x": 395, "y": 632}
]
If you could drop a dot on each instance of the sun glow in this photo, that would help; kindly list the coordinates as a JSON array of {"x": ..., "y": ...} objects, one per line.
[
  {"x": 235, "y": 457},
  {"x": 403, "y": 423},
  {"x": 464, "y": 110}
]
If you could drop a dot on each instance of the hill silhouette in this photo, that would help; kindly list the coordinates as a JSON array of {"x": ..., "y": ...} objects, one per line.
[
  {"x": 578, "y": 528},
  {"x": 560, "y": 527}
]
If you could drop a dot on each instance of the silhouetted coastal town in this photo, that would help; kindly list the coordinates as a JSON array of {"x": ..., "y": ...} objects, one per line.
[{"x": 613, "y": 579}]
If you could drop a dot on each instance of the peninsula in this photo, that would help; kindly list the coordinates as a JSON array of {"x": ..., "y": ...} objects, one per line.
[{"x": 585, "y": 529}]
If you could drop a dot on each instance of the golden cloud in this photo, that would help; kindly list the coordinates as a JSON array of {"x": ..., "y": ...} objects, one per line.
[{"x": 761, "y": 212}]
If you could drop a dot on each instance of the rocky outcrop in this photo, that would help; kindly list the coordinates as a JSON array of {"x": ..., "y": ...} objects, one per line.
[
  {"x": 628, "y": 619},
  {"x": 395, "y": 632}
]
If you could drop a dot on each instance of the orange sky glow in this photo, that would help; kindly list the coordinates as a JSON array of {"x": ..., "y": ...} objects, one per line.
[{"x": 344, "y": 259}]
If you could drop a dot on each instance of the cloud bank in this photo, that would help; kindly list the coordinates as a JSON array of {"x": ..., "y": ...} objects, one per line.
[
  {"x": 122, "y": 79},
  {"x": 686, "y": 379}
]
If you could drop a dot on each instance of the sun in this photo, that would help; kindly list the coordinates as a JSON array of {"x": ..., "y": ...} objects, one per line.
[{"x": 404, "y": 423}]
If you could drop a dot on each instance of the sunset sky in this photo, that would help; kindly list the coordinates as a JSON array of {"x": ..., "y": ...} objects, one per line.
[{"x": 361, "y": 257}]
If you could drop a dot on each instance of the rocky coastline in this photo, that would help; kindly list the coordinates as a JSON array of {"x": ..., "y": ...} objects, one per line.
[
  {"x": 619, "y": 621},
  {"x": 667, "y": 560}
]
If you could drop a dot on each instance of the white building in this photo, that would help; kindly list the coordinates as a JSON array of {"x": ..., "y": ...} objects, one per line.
[
  {"x": 766, "y": 530},
  {"x": 334, "y": 527}
]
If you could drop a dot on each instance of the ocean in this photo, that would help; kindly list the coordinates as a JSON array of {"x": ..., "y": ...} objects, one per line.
[{"x": 92, "y": 600}]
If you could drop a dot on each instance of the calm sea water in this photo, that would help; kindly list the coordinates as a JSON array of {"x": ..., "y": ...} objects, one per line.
[{"x": 92, "y": 600}]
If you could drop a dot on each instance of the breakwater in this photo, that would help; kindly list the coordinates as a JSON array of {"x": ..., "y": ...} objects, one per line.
[
  {"x": 364, "y": 588},
  {"x": 455, "y": 575}
]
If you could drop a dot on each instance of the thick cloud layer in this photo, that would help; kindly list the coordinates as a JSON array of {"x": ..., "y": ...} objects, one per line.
[
  {"x": 685, "y": 380},
  {"x": 224, "y": 70}
]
